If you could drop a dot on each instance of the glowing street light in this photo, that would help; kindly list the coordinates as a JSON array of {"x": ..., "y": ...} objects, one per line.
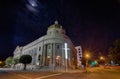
[
  {"x": 0, "y": 62},
  {"x": 87, "y": 56},
  {"x": 101, "y": 58}
]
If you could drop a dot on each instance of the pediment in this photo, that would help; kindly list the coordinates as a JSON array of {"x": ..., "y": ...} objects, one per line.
[{"x": 17, "y": 49}]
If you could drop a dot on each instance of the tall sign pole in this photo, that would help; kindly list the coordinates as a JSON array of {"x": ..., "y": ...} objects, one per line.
[{"x": 66, "y": 55}]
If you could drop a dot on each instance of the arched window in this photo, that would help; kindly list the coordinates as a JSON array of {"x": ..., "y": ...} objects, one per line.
[
  {"x": 58, "y": 46},
  {"x": 39, "y": 56},
  {"x": 39, "y": 48}
]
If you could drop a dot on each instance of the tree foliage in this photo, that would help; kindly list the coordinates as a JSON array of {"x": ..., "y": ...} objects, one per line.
[
  {"x": 83, "y": 61},
  {"x": 15, "y": 61},
  {"x": 114, "y": 52},
  {"x": 8, "y": 61},
  {"x": 25, "y": 59}
]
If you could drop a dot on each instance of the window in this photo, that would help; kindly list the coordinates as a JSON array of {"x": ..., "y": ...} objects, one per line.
[
  {"x": 49, "y": 47},
  {"x": 35, "y": 54},
  {"x": 58, "y": 46},
  {"x": 48, "y": 60},
  {"x": 39, "y": 48},
  {"x": 39, "y": 57},
  {"x": 56, "y": 31}
]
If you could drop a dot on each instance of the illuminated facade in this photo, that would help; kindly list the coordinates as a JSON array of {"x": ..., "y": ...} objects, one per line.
[
  {"x": 54, "y": 51},
  {"x": 79, "y": 55}
]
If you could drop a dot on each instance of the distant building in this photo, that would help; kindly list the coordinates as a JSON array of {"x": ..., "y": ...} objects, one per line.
[
  {"x": 54, "y": 51},
  {"x": 79, "y": 55}
]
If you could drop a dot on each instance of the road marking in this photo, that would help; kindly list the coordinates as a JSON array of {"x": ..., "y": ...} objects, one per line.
[
  {"x": 25, "y": 77},
  {"x": 48, "y": 76}
]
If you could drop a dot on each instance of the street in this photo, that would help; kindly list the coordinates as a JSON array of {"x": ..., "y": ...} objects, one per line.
[{"x": 92, "y": 73}]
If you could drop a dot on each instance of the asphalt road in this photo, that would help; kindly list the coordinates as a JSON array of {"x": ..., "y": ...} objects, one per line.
[{"x": 93, "y": 73}]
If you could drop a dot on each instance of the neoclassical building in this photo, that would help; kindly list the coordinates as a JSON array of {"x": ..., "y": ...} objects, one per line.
[{"x": 53, "y": 51}]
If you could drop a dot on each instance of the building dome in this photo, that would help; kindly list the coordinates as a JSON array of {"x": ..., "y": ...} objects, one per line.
[
  {"x": 56, "y": 28},
  {"x": 55, "y": 25}
]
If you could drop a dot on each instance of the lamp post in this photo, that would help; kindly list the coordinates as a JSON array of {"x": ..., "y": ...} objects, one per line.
[
  {"x": 87, "y": 56},
  {"x": 102, "y": 59},
  {"x": 66, "y": 56},
  {"x": 0, "y": 62}
]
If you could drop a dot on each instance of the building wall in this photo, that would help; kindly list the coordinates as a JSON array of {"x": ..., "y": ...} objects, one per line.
[
  {"x": 79, "y": 55},
  {"x": 49, "y": 50}
]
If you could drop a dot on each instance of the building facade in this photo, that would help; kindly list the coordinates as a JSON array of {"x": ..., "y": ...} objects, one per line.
[
  {"x": 54, "y": 51},
  {"x": 79, "y": 55}
]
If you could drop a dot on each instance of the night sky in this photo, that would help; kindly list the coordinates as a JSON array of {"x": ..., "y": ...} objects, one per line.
[{"x": 93, "y": 25}]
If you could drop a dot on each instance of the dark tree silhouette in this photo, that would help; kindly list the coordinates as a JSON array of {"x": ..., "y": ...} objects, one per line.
[
  {"x": 25, "y": 59},
  {"x": 114, "y": 52}
]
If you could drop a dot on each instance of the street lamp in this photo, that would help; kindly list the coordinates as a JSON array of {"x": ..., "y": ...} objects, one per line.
[
  {"x": 102, "y": 59},
  {"x": 1, "y": 65},
  {"x": 66, "y": 55},
  {"x": 87, "y": 56},
  {"x": 0, "y": 62},
  {"x": 66, "y": 48}
]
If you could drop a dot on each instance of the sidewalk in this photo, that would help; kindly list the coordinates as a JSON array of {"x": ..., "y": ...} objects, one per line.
[{"x": 61, "y": 71}]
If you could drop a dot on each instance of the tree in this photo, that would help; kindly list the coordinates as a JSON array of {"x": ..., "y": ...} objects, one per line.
[
  {"x": 15, "y": 61},
  {"x": 8, "y": 61},
  {"x": 83, "y": 61},
  {"x": 114, "y": 52},
  {"x": 25, "y": 59}
]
